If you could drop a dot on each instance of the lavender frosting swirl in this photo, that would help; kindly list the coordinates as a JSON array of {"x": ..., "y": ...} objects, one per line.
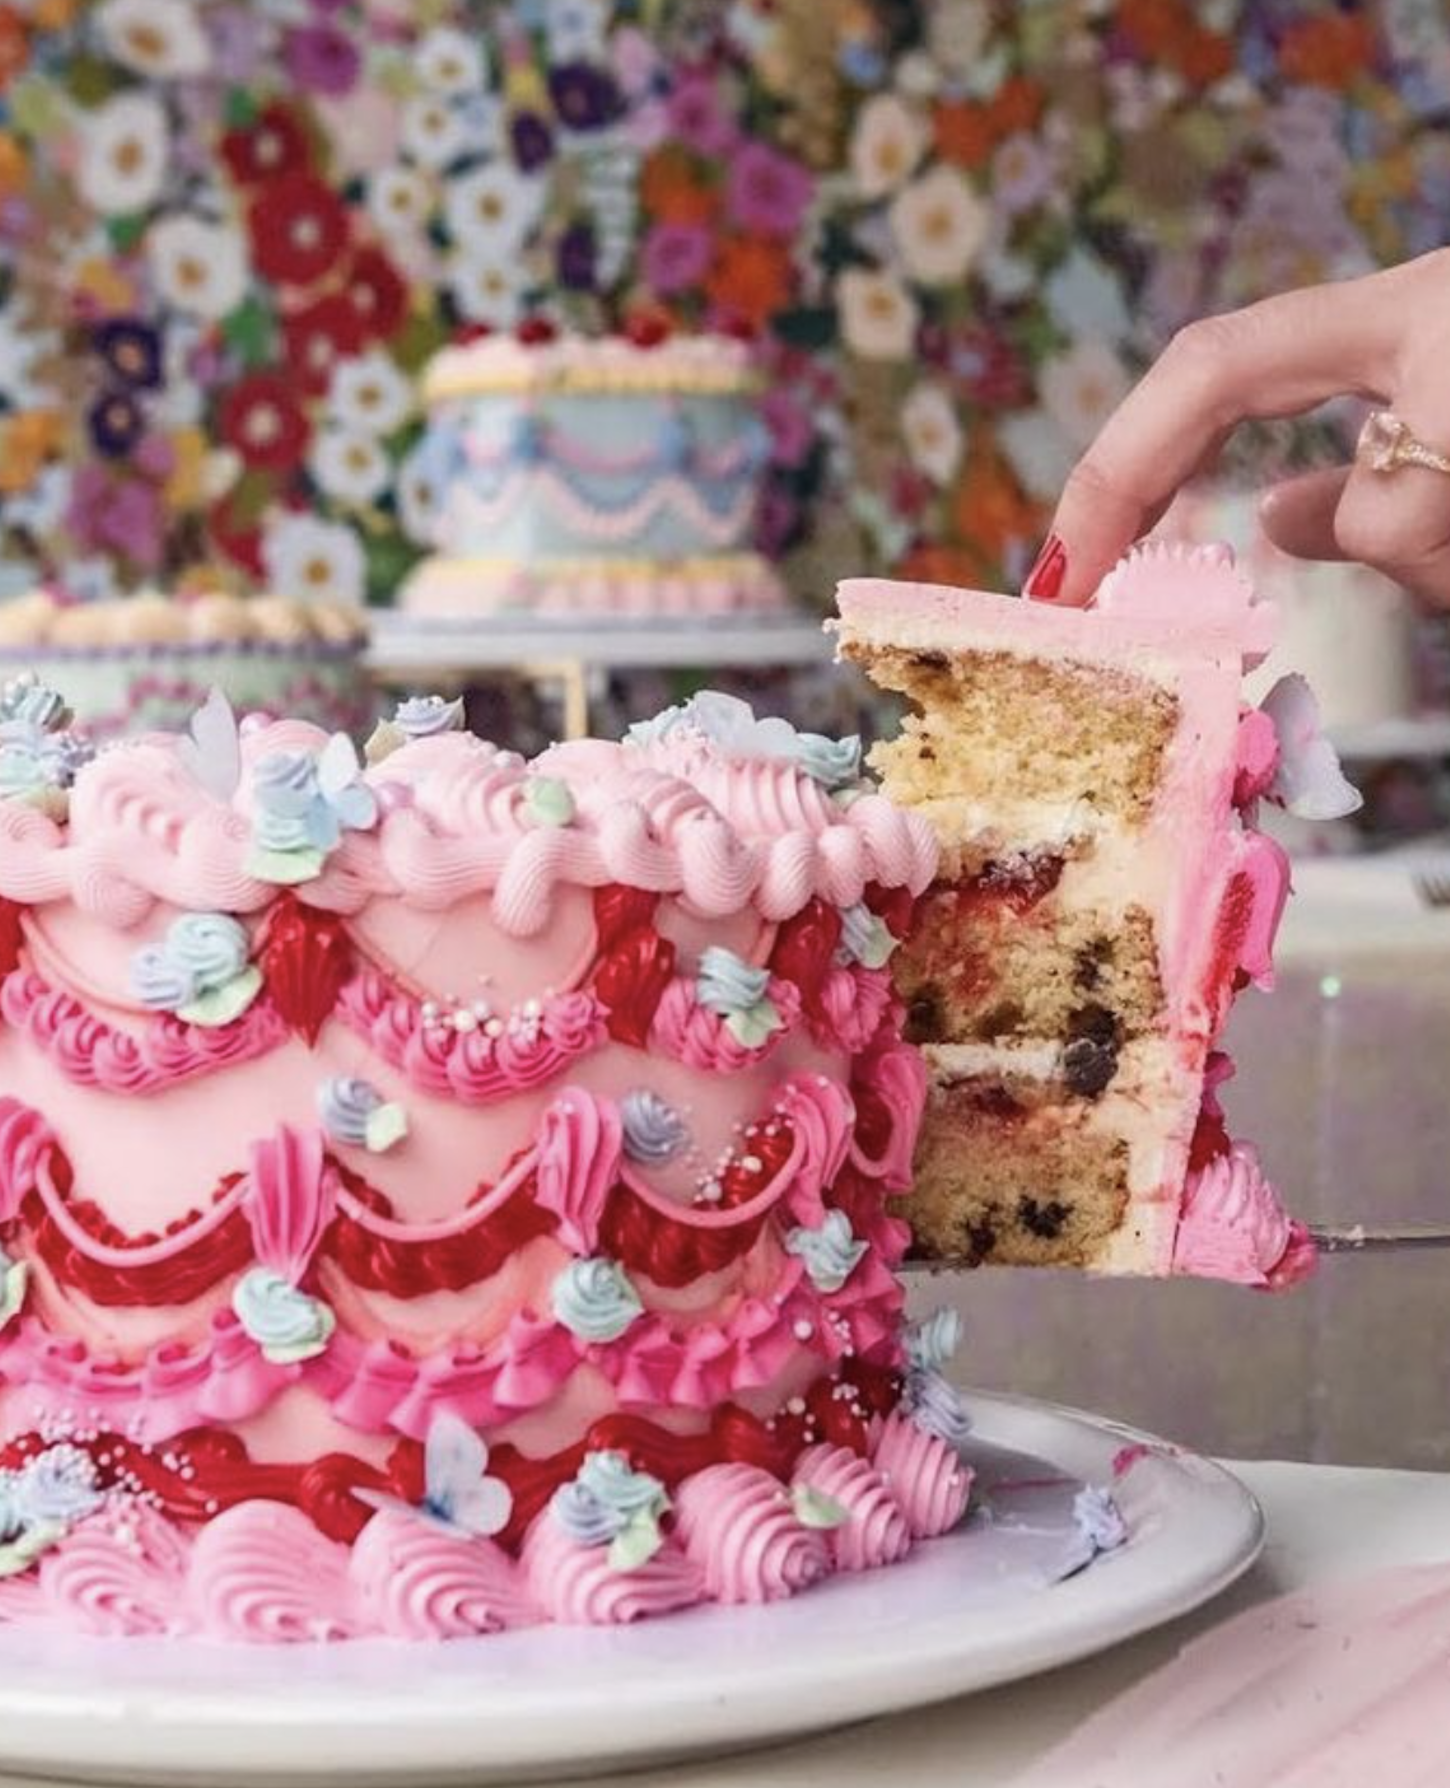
[
  {"x": 344, "y": 1104},
  {"x": 425, "y": 716},
  {"x": 158, "y": 981},
  {"x": 211, "y": 947},
  {"x": 654, "y": 1132},
  {"x": 935, "y": 1406}
]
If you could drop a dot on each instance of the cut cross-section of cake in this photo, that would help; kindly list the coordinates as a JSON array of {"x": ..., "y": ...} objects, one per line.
[{"x": 1103, "y": 893}]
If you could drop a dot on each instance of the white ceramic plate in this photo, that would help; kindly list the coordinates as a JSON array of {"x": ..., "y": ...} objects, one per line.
[{"x": 963, "y": 1613}]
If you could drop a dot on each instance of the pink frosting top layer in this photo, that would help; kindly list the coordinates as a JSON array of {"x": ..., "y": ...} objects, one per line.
[
  {"x": 1163, "y": 598},
  {"x": 677, "y": 816}
]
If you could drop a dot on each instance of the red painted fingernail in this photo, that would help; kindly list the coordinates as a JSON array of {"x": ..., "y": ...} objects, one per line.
[{"x": 1044, "y": 581}]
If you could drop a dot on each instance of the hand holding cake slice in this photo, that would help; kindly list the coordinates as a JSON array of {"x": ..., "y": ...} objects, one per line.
[{"x": 1093, "y": 777}]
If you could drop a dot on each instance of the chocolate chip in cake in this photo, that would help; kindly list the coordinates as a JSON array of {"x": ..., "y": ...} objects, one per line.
[
  {"x": 934, "y": 661},
  {"x": 1095, "y": 1024},
  {"x": 924, "y": 1016},
  {"x": 1088, "y": 1067},
  {"x": 1090, "y": 961},
  {"x": 981, "y": 1243},
  {"x": 1045, "y": 1219}
]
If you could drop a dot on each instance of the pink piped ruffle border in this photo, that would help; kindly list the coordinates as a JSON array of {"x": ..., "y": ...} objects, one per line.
[{"x": 261, "y": 1573}]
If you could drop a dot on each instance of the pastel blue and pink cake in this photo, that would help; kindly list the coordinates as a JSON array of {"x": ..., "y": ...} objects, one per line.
[{"x": 606, "y": 478}]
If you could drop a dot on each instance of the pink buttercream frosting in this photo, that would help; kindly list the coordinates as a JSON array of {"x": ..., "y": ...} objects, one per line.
[
  {"x": 876, "y": 1530},
  {"x": 580, "y": 1587},
  {"x": 925, "y": 1476},
  {"x": 413, "y": 1580},
  {"x": 737, "y": 1524},
  {"x": 1232, "y": 1226}
]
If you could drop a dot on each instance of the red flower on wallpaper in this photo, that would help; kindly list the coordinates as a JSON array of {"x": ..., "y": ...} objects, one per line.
[
  {"x": 299, "y": 228},
  {"x": 262, "y": 419},
  {"x": 750, "y": 280},
  {"x": 318, "y": 336},
  {"x": 274, "y": 145},
  {"x": 235, "y": 537},
  {"x": 377, "y": 292}
]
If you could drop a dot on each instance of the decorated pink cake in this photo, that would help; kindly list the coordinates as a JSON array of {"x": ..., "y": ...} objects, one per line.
[
  {"x": 445, "y": 1192},
  {"x": 1094, "y": 778}
]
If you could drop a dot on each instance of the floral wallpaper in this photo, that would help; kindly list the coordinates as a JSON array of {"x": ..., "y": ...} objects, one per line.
[{"x": 231, "y": 234}]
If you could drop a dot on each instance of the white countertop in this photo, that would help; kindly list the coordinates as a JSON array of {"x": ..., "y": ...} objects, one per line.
[{"x": 1326, "y": 1523}]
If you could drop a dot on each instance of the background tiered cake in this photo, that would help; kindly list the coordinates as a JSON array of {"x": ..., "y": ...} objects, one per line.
[{"x": 595, "y": 478}]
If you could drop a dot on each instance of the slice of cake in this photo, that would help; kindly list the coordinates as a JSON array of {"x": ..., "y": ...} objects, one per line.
[
  {"x": 451, "y": 1193},
  {"x": 1103, "y": 893},
  {"x": 609, "y": 478}
]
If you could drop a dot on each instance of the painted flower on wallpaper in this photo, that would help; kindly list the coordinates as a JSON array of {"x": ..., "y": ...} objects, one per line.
[
  {"x": 198, "y": 265},
  {"x": 888, "y": 142},
  {"x": 932, "y": 432},
  {"x": 485, "y": 289},
  {"x": 1081, "y": 388},
  {"x": 349, "y": 466},
  {"x": 492, "y": 209},
  {"x": 370, "y": 393},
  {"x": 939, "y": 224},
  {"x": 313, "y": 560},
  {"x": 123, "y": 154},
  {"x": 160, "y": 40},
  {"x": 878, "y": 314},
  {"x": 450, "y": 61}
]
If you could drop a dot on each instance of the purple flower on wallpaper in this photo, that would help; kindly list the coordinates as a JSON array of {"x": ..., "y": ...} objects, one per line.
[
  {"x": 1022, "y": 173},
  {"x": 115, "y": 423},
  {"x": 322, "y": 59},
  {"x": 533, "y": 141},
  {"x": 791, "y": 429},
  {"x": 117, "y": 516},
  {"x": 239, "y": 40},
  {"x": 131, "y": 350},
  {"x": 638, "y": 64},
  {"x": 576, "y": 257},
  {"x": 766, "y": 191},
  {"x": 585, "y": 96},
  {"x": 675, "y": 257},
  {"x": 699, "y": 116}
]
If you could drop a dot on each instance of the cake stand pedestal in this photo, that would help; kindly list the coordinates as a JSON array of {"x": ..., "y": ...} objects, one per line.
[{"x": 574, "y": 655}]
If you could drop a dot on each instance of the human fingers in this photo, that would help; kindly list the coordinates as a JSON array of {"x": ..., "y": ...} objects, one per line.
[
  {"x": 1276, "y": 358},
  {"x": 1298, "y": 514}
]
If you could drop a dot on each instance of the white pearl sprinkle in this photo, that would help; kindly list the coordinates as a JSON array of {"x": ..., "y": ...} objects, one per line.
[
  {"x": 796, "y": 1406},
  {"x": 494, "y": 1028},
  {"x": 464, "y": 1020},
  {"x": 803, "y": 1330}
]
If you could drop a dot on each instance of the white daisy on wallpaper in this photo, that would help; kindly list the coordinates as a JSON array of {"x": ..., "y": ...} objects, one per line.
[
  {"x": 939, "y": 224},
  {"x": 370, "y": 393},
  {"x": 164, "y": 40},
  {"x": 312, "y": 560},
  {"x": 486, "y": 288},
  {"x": 878, "y": 314},
  {"x": 401, "y": 198},
  {"x": 349, "y": 466},
  {"x": 492, "y": 208},
  {"x": 888, "y": 141},
  {"x": 199, "y": 266},
  {"x": 1081, "y": 387},
  {"x": 450, "y": 61},
  {"x": 932, "y": 432},
  {"x": 124, "y": 146}
]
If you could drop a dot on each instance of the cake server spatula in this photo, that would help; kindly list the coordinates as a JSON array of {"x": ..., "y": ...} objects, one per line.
[{"x": 1330, "y": 1238}]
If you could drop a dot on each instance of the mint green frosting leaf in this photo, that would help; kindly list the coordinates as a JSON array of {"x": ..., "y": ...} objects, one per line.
[
  {"x": 636, "y": 1543},
  {"x": 386, "y": 1125},
  {"x": 813, "y": 1508},
  {"x": 19, "y": 1554},
  {"x": 285, "y": 868},
  {"x": 754, "y": 1025},
  {"x": 220, "y": 1005},
  {"x": 548, "y": 801}
]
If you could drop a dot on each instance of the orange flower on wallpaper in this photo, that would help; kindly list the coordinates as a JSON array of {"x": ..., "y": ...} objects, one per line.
[
  {"x": 14, "y": 45},
  {"x": 13, "y": 165},
  {"x": 1328, "y": 51},
  {"x": 967, "y": 130},
  {"x": 27, "y": 440},
  {"x": 671, "y": 189},
  {"x": 990, "y": 510},
  {"x": 751, "y": 278},
  {"x": 1167, "y": 31}
]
